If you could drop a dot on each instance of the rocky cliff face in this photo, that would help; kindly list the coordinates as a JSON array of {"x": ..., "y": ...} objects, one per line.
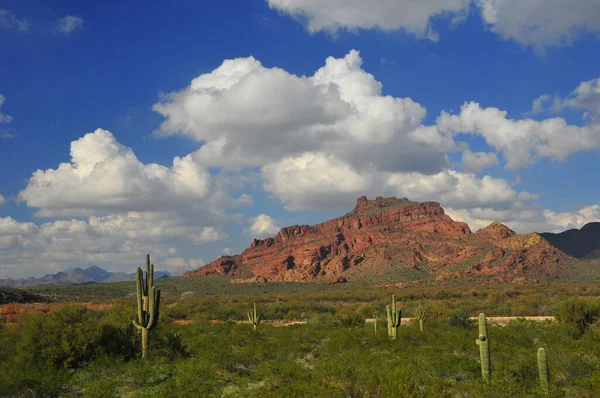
[{"x": 408, "y": 240}]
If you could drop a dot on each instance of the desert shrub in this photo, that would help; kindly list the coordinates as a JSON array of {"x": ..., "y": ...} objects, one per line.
[
  {"x": 459, "y": 318},
  {"x": 352, "y": 320},
  {"x": 578, "y": 312}
]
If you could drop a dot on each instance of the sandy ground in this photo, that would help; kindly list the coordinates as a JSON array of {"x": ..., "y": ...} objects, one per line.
[{"x": 493, "y": 320}]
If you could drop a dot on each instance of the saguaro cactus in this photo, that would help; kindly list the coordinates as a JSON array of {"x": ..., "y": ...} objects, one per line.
[
  {"x": 148, "y": 303},
  {"x": 420, "y": 315},
  {"x": 394, "y": 317},
  {"x": 254, "y": 317},
  {"x": 375, "y": 316},
  {"x": 484, "y": 347},
  {"x": 542, "y": 363}
]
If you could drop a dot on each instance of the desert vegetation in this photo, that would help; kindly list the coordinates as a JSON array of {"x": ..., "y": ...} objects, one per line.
[{"x": 206, "y": 345}]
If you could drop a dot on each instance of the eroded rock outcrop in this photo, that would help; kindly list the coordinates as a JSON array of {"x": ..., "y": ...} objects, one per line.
[{"x": 409, "y": 241}]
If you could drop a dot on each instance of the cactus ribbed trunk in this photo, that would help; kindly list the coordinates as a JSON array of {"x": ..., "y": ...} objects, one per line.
[
  {"x": 375, "y": 316},
  {"x": 144, "y": 343},
  {"x": 421, "y": 325},
  {"x": 484, "y": 348},
  {"x": 542, "y": 362},
  {"x": 394, "y": 318}
]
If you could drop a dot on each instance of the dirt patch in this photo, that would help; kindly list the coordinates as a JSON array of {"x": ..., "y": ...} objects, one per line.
[
  {"x": 182, "y": 322},
  {"x": 218, "y": 322},
  {"x": 492, "y": 320},
  {"x": 13, "y": 311}
]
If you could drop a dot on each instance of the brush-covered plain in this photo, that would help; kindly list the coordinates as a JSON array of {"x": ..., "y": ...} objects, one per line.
[{"x": 202, "y": 348}]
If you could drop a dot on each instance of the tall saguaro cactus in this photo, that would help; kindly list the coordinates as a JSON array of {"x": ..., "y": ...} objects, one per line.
[
  {"x": 484, "y": 347},
  {"x": 254, "y": 317},
  {"x": 394, "y": 317},
  {"x": 375, "y": 316},
  {"x": 420, "y": 315},
  {"x": 542, "y": 363},
  {"x": 148, "y": 303}
]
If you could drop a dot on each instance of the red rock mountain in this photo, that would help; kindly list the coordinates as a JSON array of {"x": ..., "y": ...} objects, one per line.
[{"x": 399, "y": 240}]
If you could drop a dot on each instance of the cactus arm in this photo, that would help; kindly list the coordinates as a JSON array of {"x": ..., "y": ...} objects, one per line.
[
  {"x": 137, "y": 325},
  {"x": 140, "y": 288},
  {"x": 389, "y": 319},
  {"x": 145, "y": 281},
  {"x": 153, "y": 302},
  {"x": 151, "y": 278}
]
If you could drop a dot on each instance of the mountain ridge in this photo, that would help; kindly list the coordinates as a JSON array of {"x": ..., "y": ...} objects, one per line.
[
  {"x": 583, "y": 243},
  {"x": 416, "y": 241},
  {"x": 77, "y": 276}
]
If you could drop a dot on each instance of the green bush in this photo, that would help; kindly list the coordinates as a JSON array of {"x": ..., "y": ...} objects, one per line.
[
  {"x": 459, "y": 318},
  {"x": 578, "y": 313}
]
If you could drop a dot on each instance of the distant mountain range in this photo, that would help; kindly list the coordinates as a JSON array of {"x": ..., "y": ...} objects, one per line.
[
  {"x": 77, "y": 276},
  {"x": 581, "y": 243}
]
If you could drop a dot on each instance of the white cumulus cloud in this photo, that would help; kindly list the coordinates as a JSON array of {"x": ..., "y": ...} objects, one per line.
[
  {"x": 524, "y": 218},
  {"x": 315, "y": 181},
  {"x": 477, "y": 161},
  {"x": 262, "y": 226},
  {"x": 249, "y": 115},
  {"x": 521, "y": 141},
  {"x": 533, "y": 23},
  {"x": 541, "y": 23},
  {"x": 332, "y": 15},
  {"x": 116, "y": 242},
  {"x": 586, "y": 96},
  {"x": 105, "y": 176},
  {"x": 576, "y": 219}
]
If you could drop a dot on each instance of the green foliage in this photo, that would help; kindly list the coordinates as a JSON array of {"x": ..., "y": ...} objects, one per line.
[
  {"x": 578, "y": 312},
  {"x": 49, "y": 346},
  {"x": 12, "y": 295},
  {"x": 458, "y": 318},
  {"x": 321, "y": 358}
]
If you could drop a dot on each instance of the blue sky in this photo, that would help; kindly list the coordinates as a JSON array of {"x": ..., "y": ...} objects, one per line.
[{"x": 186, "y": 129}]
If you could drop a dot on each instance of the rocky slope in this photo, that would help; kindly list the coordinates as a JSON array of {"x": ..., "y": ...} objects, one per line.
[
  {"x": 581, "y": 243},
  {"x": 402, "y": 241}
]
